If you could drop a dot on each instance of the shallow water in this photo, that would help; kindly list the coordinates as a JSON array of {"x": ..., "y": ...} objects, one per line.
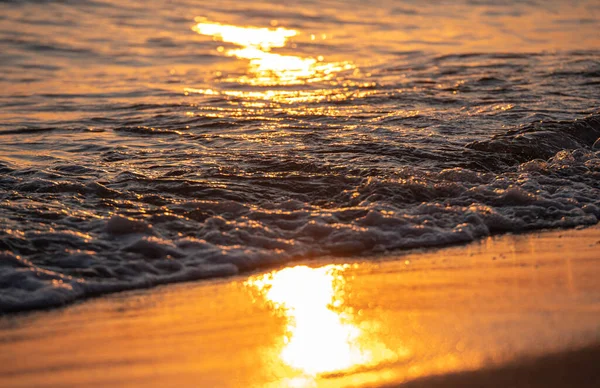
[{"x": 157, "y": 142}]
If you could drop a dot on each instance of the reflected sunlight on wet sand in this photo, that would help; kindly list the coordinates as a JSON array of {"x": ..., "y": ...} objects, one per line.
[
  {"x": 322, "y": 337},
  {"x": 356, "y": 324}
]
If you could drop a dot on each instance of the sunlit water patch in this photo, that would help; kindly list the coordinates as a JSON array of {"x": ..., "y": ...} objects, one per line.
[
  {"x": 265, "y": 67},
  {"x": 159, "y": 142}
]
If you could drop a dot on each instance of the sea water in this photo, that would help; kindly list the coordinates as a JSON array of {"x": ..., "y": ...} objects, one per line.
[{"x": 147, "y": 142}]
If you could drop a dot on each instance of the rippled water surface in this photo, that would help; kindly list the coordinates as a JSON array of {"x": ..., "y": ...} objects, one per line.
[{"x": 152, "y": 142}]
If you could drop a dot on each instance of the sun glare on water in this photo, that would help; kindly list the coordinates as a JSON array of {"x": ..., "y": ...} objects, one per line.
[
  {"x": 321, "y": 337},
  {"x": 265, "y": 67}
]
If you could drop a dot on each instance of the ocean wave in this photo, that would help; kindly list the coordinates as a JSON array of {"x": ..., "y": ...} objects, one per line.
[
  {"x": 543, "y": 139},
  {"x": 551, "y": 179}
]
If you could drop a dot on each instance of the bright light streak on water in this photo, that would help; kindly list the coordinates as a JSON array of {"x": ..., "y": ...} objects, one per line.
[{"x": 267, "y": 68}]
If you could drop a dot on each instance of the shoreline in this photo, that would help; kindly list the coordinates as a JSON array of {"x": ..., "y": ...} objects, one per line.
[
  {"x": 511, "y": 305},
  {"x": 320, "y": 260}
]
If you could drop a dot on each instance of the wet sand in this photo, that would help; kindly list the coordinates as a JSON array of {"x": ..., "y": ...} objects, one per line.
[{"x": 515, "y": 310}]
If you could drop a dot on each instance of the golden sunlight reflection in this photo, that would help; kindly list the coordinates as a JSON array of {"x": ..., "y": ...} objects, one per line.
[
  {"x": 322, "y": 336},
  {"x": 268, "y": 68}
]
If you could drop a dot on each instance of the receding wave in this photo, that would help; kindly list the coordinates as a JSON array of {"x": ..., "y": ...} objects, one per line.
[
  {"x": 543, "y": 175},
  {"x": 541, "y": 140}
]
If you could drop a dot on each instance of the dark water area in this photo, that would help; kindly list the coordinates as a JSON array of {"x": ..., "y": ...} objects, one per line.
[{"x": 155, "y": 142}]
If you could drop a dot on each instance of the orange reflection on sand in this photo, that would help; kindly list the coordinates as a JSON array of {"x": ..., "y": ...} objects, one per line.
[
  {"x": 321, "y": 338},
  {"x": 267, "y": 68}
]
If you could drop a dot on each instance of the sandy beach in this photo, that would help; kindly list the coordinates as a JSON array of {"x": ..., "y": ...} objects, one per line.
[{"x": 514, "y": 310}]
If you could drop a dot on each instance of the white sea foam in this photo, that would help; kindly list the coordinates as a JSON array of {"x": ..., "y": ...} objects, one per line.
[{"x": 378, "y": 215}]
